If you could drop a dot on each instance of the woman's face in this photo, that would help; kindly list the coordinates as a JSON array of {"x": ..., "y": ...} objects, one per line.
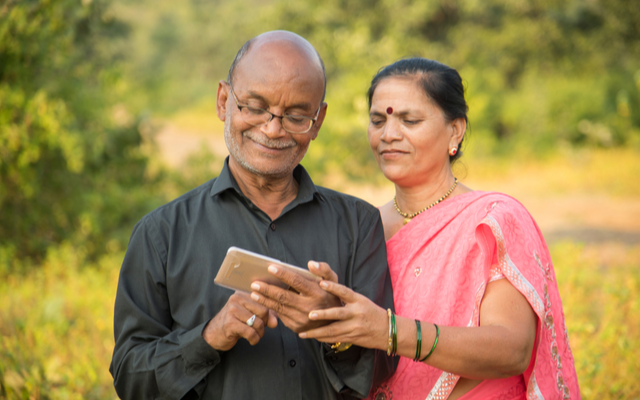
[{"x": 408, "y": 133}]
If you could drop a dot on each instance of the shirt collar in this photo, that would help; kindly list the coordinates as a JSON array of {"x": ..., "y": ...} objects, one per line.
[{"x": 306, "y": 191}]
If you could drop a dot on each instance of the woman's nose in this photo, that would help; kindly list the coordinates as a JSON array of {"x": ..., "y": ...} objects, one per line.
[{"x": 391, "y": 131}]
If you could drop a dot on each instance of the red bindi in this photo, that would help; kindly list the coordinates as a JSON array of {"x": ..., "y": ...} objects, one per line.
[{"x": 389, "y": 110}]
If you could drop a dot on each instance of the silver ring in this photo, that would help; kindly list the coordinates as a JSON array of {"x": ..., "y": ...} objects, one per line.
[{"x": 251, "y": 320}]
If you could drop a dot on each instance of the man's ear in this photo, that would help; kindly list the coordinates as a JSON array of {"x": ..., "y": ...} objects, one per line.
[
  {"x": 221, "y": 99},
  {"x": 318, "y": 124}
]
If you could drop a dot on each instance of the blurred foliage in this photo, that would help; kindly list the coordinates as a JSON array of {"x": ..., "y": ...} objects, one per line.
[
  {"x": 540, "y": 74},
  {"x": 77, "y": 77},
  {"x": 71, "y": 164}
]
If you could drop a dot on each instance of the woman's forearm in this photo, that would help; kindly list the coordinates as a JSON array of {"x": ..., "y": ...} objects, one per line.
[
  {"x": 485, "y": 352},
  {"x": 500, "y": 347}
]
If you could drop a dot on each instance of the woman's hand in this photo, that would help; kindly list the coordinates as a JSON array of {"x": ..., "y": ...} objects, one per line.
[{"x": 360, "y": 321}]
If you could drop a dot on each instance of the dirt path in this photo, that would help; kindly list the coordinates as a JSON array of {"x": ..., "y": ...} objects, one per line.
[{"x": 588, "y": 218}]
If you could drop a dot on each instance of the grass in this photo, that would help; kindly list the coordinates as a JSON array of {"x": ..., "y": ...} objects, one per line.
[
  {"x": 600, "y": 290},
  {"x": 56, "y": 323},
  {"x": 56, "y": 328}
]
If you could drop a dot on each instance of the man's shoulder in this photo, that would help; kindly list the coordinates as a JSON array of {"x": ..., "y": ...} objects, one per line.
[
  {"x": 182, "y": 203},
  {"x": 345, "y": 200}
]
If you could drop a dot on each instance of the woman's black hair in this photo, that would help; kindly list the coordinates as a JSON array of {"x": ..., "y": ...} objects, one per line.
[{"x": 440, "y": 83}]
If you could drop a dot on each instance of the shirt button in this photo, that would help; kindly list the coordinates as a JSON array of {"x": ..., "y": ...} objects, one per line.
[
  {"x": 273, "y": 226},
  {"x": 292, "y": 363}
]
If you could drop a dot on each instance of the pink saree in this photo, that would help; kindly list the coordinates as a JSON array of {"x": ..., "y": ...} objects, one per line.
[{"x": 440, "y": 265}]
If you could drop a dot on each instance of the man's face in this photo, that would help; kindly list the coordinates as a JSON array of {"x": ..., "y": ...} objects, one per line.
[{"x": 275, "y": 78}]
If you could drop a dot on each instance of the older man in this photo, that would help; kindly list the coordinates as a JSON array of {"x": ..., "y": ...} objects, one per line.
[{"x": 180, "y": 336}]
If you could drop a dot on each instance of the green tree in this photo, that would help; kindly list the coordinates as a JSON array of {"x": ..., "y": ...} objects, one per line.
[{"x": 71, "y": 166}]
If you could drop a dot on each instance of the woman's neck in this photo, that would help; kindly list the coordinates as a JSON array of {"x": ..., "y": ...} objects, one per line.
[{"x": 411, "y": 199}]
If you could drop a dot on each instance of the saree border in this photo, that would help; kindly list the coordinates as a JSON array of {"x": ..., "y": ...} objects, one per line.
[
  {"x": 510, "y": 270},
  {"x": 443, "y": 386}
]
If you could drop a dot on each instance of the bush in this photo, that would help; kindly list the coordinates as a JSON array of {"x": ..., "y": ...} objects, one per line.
[{"x": 71, "y": 166}]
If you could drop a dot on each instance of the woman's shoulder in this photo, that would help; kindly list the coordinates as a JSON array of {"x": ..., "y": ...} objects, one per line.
[
  {"x": 496, "y": 205},
  {"x": 492, "y": 199},
  {"x": 507, "y": 212}
]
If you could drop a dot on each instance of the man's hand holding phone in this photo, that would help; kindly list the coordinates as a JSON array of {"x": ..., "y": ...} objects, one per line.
[
  {"x": 293, "y": 307},
  {"x": 234, "y": 321}
]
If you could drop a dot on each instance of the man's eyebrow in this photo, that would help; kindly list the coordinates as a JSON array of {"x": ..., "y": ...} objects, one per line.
[
  {"x": 302, "y": 106},
  {"x": 256, "y": 96}
]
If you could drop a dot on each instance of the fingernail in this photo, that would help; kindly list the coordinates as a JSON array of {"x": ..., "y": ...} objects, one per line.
[
  {"x": 273, "y": 269},
  {"x": 255, "y": 296},
  {"x": 255, "y": 286},
  {"x": 313, "y": 315},
  {"x": 314, "y": 264},
  {"x": 324, "y": 285},
  {"x": 303, "y": 335}
]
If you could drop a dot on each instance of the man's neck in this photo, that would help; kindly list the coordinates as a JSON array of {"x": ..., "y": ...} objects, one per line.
[{"x": 270, "y": 194}]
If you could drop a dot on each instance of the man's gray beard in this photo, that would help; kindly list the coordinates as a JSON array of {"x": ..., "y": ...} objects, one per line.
[{"x": 239, "y": 157}]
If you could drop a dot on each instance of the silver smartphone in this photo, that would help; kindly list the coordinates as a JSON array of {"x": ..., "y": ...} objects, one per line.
[{"x": 240, "y": 268}]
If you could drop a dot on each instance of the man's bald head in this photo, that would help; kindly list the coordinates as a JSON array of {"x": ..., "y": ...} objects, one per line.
[{"x": 290, "y": 40}]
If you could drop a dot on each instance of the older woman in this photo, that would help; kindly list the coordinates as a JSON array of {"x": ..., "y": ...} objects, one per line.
[{"x": 479, "y": 315}]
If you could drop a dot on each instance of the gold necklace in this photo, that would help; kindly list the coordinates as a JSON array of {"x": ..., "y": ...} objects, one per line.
[{"x": 409, "y": 217}]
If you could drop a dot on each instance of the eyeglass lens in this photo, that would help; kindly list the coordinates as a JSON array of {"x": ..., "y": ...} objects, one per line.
[{"x": 292, "y": 123}]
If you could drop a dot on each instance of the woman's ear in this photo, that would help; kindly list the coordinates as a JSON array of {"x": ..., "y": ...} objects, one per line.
[
  {"x": 459, "y": 128},
  {"x": 221, "y": 99}
]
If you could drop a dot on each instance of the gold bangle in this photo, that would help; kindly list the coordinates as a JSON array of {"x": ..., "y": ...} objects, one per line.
[{"x": 390, "y": 345}]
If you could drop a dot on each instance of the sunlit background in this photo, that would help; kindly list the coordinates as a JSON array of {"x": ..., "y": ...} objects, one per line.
[{"x": 107, "y": 110}]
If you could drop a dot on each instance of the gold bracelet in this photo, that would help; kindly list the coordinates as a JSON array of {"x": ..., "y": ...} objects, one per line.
[
  {"x": 390, "y": 345},
  {"x": 339, "y": 346}
]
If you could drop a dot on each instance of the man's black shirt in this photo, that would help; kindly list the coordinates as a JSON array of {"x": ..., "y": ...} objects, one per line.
[{"x": 166, "y": 296}]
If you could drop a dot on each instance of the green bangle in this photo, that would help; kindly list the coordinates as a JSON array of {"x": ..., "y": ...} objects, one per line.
[
  {"x": 419, "y": 344},
  {"x": 435, "y": 342},
  {"x": 395, "y": 335}
]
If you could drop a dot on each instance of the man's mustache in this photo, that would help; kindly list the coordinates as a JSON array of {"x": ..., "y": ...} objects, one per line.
[{"x": 271, "y": 143}]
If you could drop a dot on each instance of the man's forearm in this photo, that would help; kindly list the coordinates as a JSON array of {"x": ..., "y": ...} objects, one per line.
[{"x": 167, "y": 367}]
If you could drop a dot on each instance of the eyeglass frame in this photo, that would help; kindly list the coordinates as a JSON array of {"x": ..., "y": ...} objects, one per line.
[{"x": 240, "y": 107}]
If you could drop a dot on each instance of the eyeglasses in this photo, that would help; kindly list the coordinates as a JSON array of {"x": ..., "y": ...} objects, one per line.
[{"x": 259, "y": 116}]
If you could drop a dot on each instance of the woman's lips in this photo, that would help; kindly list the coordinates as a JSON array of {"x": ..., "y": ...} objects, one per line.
[{"x": 391, "y": 154}]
